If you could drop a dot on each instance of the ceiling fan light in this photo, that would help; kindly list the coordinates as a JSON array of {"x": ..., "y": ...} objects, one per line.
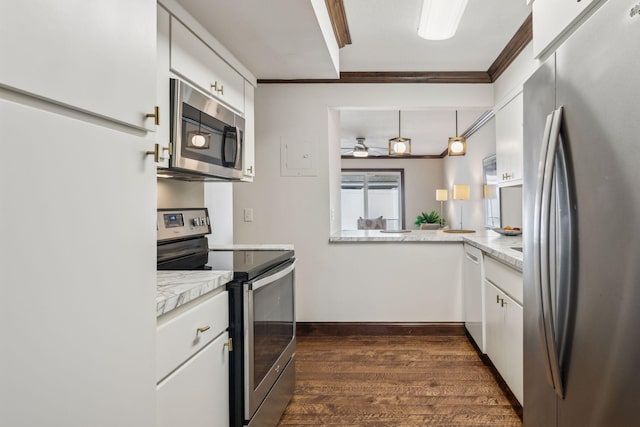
[
  {"x": 457, "y": 146},
  {"x": 361, "y": 153},
  {"x": 439, "y": 19}
]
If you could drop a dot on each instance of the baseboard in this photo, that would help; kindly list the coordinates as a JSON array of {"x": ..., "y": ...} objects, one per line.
[{"x": 380, "y": 329}]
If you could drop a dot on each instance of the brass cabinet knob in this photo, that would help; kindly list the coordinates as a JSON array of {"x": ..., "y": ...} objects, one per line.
[{"x": 155, "y": 115}]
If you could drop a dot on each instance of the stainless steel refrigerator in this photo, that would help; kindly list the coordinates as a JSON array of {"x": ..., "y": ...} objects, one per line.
[{"x": 582, "y": 227}]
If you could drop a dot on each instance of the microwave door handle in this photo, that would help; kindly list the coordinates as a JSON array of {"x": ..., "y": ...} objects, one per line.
[
  {"x": 236, "y": 140},
  {"x": 238, "y": 149}
]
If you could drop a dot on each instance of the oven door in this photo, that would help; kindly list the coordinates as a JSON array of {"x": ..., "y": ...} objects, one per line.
[{"x": 269, "y": 318}]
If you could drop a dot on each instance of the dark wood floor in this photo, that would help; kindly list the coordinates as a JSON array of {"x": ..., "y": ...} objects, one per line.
[{"x": 394, "y": 381}]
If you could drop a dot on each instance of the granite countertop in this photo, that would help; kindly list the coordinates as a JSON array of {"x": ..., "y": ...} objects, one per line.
[
  {"x": 176, "y": 288},
  {"x": 490, "y": 242},
  {"x": 498, "y": 247}
]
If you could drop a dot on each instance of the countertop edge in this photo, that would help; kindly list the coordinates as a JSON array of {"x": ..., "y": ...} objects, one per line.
[{"x": 176, "y": 288}]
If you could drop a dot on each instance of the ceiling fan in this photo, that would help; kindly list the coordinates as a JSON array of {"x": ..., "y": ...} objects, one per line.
[{"x": 360, "y": 149}]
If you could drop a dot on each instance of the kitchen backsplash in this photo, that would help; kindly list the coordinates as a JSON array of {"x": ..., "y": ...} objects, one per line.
[{"x": 180, "y": 194}]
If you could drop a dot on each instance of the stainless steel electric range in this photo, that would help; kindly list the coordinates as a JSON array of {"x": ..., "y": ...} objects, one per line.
[{"x": 261, "y": 313}]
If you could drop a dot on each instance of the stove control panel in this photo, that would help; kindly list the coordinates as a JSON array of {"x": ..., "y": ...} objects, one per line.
[{"x": 182, "y": 223}]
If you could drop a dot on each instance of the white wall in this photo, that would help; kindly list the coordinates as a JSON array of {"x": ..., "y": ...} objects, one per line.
[
  {"x": 421, "y": 179},
  {"x": 467, "y": 169},
  {"x": 298, "y": 210},
  {"x": 218, "y": 198}
]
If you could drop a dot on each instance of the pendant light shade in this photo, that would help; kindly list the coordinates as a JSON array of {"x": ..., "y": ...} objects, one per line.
[
  {"x": 457, "y": 144},
  {"x": 399, "y": 146}
]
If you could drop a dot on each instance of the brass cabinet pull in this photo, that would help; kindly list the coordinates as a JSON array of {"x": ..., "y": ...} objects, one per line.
[
  {"x": 155, "y": 115},
  {"x": 155, "y": 153},
  {"x": 250, "y": 169},
  {"x": 221, "y": 91},
  {"x": 497, "y": 299},
  {"x": 502, "y": 302},
  {"x": 229, "y": 344},
  {"x": 157, "y": 157},
  {"x": 202, "y": 329}
]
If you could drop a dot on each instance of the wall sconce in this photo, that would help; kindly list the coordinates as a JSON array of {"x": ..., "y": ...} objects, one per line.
[
  {"x": 457, "y": 144},
  {"x": 461, "y": 192},
  {"x": 442, "y": 195},
  {"x": 399, "y": 146}
]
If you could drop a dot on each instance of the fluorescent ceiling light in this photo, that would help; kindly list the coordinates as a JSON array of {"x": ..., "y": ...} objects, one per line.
[{"x": 440, "y": 18}]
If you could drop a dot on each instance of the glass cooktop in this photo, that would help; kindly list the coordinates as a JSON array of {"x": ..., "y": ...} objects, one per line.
[{"x": 247, "y": 265}]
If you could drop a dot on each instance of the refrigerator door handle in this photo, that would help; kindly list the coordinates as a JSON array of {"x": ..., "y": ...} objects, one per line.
[
  {"x": 547, "y": 278},
  {"x": 537, "y": 233}
]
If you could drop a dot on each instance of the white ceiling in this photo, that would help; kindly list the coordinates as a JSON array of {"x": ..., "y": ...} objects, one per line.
[
  {"x": 281, "y": 39},
  {"x": 384, "y": 35}
]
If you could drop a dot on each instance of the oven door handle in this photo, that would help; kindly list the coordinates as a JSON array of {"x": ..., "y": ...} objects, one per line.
[{"x": 272, "y": 277}]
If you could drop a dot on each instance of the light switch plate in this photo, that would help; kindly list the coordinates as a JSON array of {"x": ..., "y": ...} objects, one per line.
[{"x": 248, "y": 214}]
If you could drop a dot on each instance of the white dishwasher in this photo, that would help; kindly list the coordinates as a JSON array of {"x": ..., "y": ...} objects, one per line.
[{"x": 473, "y": 295}]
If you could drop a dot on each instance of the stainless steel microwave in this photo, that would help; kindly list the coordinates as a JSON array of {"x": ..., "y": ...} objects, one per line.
[{"x": 207, "y": 138}]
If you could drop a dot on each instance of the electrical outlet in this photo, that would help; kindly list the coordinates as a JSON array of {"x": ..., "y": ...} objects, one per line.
[{"x": 248, "y": 214}]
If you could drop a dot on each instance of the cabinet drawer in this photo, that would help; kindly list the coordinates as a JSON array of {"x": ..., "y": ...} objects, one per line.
[
  {"x": 195, "y": 61},
  {"x": 197, "y": 394},
  {"x": 503, "y": 277},
  {"x": 179, "y": 338}
]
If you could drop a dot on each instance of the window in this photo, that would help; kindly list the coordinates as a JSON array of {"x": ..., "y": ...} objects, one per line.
[{"x": 371, "y": 194}]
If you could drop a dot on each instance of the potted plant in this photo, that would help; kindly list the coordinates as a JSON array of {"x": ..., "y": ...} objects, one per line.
[{"x": 428, "y": 221}]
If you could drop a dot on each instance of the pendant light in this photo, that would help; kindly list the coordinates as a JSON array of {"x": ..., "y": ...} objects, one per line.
[
  {"x": 399, "y": 146},
  {"x": 457, "y": 144}
]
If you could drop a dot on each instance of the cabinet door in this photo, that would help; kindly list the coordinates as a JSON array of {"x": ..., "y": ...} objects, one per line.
[
  {"x": 509, "y": 139},
  {"x": 95, "y": 56},
  {"x": 249, "y": 133},
  {"x": 162, "y": 136},
  {"x": 552, "y": 19},
  {"x": 196, "y": 62},
  {"x": 82, "y": 316},
  {"x": 514, "y": 347},
  {"x": 197, "y": 393},
  {"x": 494, "y": 327}
]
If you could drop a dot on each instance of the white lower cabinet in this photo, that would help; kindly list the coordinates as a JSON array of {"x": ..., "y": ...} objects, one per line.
[
  {"x": 197, "y": 393},
  {"x": 504, "y": 334},
  {"x": 193, "y": 364}
]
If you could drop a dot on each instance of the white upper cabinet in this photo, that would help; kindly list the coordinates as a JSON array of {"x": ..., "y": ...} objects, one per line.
[
  {"x": 162, "y": 135},
  {"x": 94, "y": 56},
  {"x": 509, "y": 139},
  {"x": 553, "y": 20},
  {"x": 249, "y": 133},
  {"x": 192, "y": 59}
]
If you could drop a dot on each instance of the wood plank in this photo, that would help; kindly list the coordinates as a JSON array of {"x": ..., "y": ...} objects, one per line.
[
  {"x": 435, "y": 380},
  {"x": 379, "y": 329},
  {"x": 395, "y": 77},
  {"x": 519, "y": 41},
  {"x": 339, "y": 22}
]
